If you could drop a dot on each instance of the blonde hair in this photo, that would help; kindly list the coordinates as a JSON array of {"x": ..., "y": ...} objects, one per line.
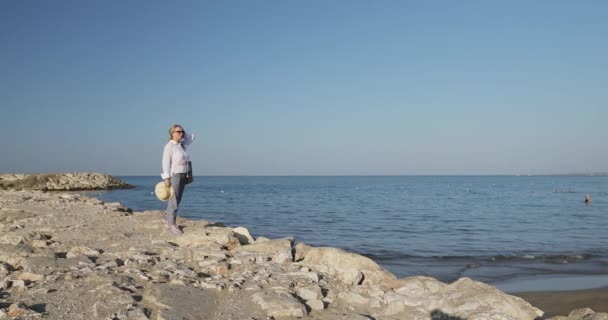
[{"x": 172, "y": 129}]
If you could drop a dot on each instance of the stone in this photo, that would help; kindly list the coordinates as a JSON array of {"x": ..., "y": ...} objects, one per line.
[
  {"x": 218, "y": 269},
  {"x": 243, "y": 235},
  {"x": 261, "y": 239},
  {"x": 18, "y": 309},
  {"x": 353, "y": 298},
  {"x": 18, "y": 285},
  {"x": 137, "y": 314},
  {"x": 278, "y": 249},
  {"x": 198, "y": 235},
  {"x": 413, "y": 291},
  {"x": 280, "y": 305},
  {"x": 345, "y": 266},
  {"x": 315, "y": 304},
  {"x": 374, "y": 303},
  {"x": 5, "y": 269},
  {"x": 26, "y": 276},
  {"x": 83, "y": 251},
  {"x": 463, "y": 298},
  {"x": 61, "y": 181},
  {"x": 312, "y": 292}
]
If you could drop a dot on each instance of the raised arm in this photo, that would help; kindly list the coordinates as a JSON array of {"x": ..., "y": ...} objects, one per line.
[
  {"x": 188, "y": 139},
  {"x": 166, "y": 174}
]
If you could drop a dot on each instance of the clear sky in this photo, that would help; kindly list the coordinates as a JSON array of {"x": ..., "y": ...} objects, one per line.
[{"x": 306, "y": 87}]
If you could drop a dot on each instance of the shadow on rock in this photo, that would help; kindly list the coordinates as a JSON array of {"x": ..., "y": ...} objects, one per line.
[{"x": 440, "y": 315}]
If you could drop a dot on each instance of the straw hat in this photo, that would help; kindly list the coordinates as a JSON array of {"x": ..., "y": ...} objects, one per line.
[{"x": 163, "y": 192}]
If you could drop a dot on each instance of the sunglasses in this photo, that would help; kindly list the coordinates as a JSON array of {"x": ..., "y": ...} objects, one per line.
[{"x": 178, "y": 131}]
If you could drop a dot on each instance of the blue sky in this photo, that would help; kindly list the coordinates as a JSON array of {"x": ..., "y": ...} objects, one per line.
[{"x": 306, "y": 87}]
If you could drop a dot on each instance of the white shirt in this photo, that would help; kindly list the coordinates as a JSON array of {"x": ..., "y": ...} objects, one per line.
[{"x": 175, "y": 158}]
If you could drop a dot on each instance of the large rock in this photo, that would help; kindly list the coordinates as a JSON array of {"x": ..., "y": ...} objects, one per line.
[
  {"x": 61, "y": 181},
  {"x": 83, "y": 251},
  {"x": 280, "y": 250},
  {"x": 243, "y": 235},
  {"x": 416, "y": 290},
  {"x": 199, "y": 235},
  {"x": 280, "y": 305},
  {"x": 347, "y": 267},
  {"x": 465, "y": 298}
]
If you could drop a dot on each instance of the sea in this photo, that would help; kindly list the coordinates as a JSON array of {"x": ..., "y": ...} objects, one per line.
[{"x": 519, "y": 233}]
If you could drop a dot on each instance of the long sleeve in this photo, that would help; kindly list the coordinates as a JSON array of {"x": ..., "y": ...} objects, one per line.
[{"x": 166, "y": 162}]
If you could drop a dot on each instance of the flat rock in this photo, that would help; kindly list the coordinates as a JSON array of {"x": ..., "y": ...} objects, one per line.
[
  {"x": 280, "y": 305},
  {"x": 83, "y": 251},
  {"x": 280, "y": 250}
]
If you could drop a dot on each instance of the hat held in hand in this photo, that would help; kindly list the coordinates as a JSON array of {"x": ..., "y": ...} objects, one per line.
[{"x": 163, "y": 193}]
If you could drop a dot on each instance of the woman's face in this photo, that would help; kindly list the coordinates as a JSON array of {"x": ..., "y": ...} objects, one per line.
[{"x": 177, "y": 134}]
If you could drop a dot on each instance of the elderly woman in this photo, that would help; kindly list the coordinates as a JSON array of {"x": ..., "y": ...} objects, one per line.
[{"x": 175, "y": 170}]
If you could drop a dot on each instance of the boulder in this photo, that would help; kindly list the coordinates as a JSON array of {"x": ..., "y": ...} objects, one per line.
[
  {"x": 310, "y": 292},
  {"x": 280, "y": 305},
  {"x": 315, "y": 304},
  {"x": 83, "y": 251},
  {"x": 278, "y": 249},
  {"x": 199, "y": 235},
  {"x": 464, "y": 298},
  {"x": 18, "y": 309},
  {"x": 347, "y": 267},
  {"x": 243, "y": 235},
  {"x": 413, "y": 291},
  {"x": 353, "y": 298}
]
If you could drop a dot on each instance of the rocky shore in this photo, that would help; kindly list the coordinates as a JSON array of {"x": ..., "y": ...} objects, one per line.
[
  {"x": 61, "y": 182},
  {"x": 67, "y": 256}
]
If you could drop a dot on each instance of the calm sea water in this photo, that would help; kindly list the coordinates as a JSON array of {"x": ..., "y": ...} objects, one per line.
[{"x": 490, "y": 228}]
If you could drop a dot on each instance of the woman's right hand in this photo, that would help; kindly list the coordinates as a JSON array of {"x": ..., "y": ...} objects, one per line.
[{"x": 168, "y": 182}]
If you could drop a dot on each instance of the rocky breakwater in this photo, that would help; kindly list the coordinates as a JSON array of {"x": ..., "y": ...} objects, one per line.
[
  {"x": 61, "y": 181},
  {"x": 64, "y": 256}
]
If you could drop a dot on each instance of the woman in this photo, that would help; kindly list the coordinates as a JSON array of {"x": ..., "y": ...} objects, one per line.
[{"x": 175, "y": 169}]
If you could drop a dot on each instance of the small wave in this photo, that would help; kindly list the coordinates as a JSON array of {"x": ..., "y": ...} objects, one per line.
[{"x": 387, "y": 255}]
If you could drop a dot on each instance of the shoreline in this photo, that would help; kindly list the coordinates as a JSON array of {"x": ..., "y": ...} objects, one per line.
[
  {"x": 64, "y": 254},
  {"x": 556, "y": 303}
]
